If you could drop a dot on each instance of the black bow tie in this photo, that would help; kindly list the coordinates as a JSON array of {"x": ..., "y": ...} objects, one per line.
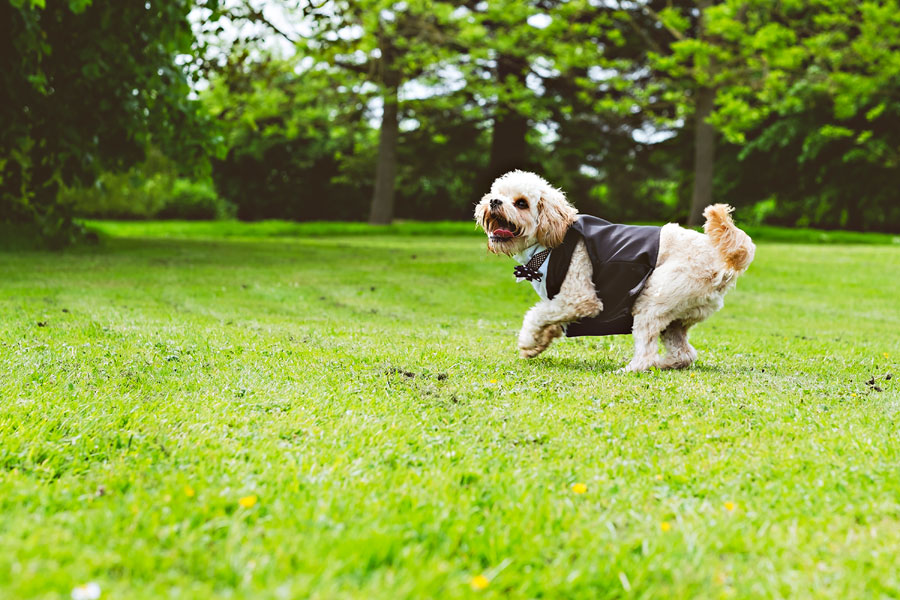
[{"x": 530, "y": 271}]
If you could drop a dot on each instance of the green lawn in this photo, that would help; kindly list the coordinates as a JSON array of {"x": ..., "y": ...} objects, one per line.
[{"x": 365, "y": 391}]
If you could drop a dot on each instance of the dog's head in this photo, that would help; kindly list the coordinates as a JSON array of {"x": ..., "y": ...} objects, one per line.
[{"x": 523, "y": 209}]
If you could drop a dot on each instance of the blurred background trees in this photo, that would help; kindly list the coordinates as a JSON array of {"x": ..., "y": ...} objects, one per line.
[
  {"x": 86, "y": 88},
  {"x": 380, "y": 109}
]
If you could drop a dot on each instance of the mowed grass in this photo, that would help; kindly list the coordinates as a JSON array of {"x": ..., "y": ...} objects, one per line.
[{"x": 190, "y": 415}]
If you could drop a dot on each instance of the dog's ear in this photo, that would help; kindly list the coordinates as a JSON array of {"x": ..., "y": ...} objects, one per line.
[
  {"x": 480, "y": 219},
  {"x": 480, "y": 209},
  {"x": 555, "y": 215}
]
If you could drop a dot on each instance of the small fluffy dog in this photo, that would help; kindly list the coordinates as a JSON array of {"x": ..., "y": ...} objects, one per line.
[{"x": 598, "y": 278}]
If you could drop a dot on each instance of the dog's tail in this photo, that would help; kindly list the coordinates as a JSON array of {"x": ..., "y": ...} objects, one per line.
[{"x": 734, "y": 245}]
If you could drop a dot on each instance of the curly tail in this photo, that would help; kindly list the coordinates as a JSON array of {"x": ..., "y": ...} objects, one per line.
[{"x": 734, "y": 245}]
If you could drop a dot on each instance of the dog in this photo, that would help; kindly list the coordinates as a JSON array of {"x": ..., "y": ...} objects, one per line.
[{"x": 598, "y": 278}]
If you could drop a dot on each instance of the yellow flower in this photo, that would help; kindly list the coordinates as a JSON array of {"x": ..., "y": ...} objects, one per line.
[
  {"x": 853, "y": 394},
  {"x": 189, "y": 491},
  {"x": 493, "y": 381},
  {"x": 659, "y": 476},
  {"x": 665, "y": 526},
  {"x": 479, "y": 582},
  {"x": 248, "y": 501},
  {"x": 886, "y": 355},
  {"x": 729, "y": 506},
  {"x": 579, "y": 488}
]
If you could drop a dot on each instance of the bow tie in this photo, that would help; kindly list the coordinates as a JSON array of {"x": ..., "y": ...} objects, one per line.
[{"x": 530, "y": 271}]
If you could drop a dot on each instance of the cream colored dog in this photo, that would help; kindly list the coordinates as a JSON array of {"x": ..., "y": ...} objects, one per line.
[{"x": 693, "y": 271}]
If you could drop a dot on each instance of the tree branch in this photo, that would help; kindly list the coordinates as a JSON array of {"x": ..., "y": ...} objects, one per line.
[{"x": 672, "y": 31}]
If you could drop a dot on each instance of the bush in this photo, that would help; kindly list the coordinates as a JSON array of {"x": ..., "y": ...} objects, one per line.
[
  {"x": 195, "y": 201},
  {"x": 151, "y": 190},
  {"x": 125, "y": 196},
  {"x": 278, "y": 177}
]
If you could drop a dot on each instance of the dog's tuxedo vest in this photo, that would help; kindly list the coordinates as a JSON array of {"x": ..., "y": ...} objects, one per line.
[{"x": 622, "y": 257}]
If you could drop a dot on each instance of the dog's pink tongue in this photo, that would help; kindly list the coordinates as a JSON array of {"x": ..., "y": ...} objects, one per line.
[{"x": 502, "y": 233}]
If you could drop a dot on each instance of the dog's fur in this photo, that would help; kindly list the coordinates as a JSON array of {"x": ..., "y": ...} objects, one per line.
[{"x": 693, "y": 271}]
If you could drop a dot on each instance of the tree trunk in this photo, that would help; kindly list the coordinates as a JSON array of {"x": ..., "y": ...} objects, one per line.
[
  {"x": 508, "y": 146},
  {"x": 704, "y": 155},
  {"x": 382, "y": 210},
  {"x": 704, "y": 138},
  {"x": 509, "y": 149}
]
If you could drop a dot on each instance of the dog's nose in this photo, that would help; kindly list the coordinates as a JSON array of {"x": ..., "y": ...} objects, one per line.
[{"x": 495, "y": 203}]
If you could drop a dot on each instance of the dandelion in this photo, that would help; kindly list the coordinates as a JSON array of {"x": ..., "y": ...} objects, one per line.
[
  {"x": 665, "y": 526},
  {"x": 729, "y": 506},
  {"x": 88, "y": 591},
  {"x": 886, "y": 355},
  {"x": 853, "y": 394},
  {"x": 248, "y": 501},
  {"x": 659, "y": 476},
  {"x": 189, "y": 491},
  {"x": 479, "y": 582},
  {"x": 493, "y": 381},
  {"x": 579, "y": 488}
]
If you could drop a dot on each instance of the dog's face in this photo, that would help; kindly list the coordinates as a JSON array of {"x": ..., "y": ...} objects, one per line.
[{"x": 521, "y": 210}]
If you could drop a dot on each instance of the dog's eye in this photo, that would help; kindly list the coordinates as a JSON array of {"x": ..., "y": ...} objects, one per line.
[{"x": 521, "y": 203}]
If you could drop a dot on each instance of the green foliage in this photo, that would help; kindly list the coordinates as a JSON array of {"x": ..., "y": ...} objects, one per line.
[
  {"x": 195, "y": 200},
  {"x": 440, "y": 161},
  {"x": 836, "y": 179},
  {"x": 150, "y": 190},
  {"x": 290, "y": 153},
  {"x": 562, "y": 88},
  {"x": 85, "y": 87},
  {"x": 598, "y": 97},
  {"x": 808, "y": 93},
  {"x": 365, "y": 388}
]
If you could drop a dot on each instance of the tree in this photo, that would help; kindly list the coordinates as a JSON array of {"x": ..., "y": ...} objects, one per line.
[
  {"x": 293, "y": 142},
  {"x": 501, "y": 77},
  {"x": 734, "y": 65},
  {"x": 547, "y": 67},
  {"x": 86, "y": 87},
  {"x": 823, "y": 120},
  {"x": 384, "y": 44},
  {"x": 689, "y": 70}
]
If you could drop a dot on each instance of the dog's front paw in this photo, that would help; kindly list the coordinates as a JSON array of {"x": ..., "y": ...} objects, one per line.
[
  {"x": 531, "y": 346},
  {"x": 530, "y": 352}
]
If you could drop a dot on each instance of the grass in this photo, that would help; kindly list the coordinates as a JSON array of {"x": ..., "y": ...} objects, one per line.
[
  {"x": 279, "y": 415},
  {"x": 262, "y": 229}
]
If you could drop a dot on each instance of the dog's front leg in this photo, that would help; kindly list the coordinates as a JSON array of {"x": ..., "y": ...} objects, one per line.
[
  {"x": 577, "y": 299},
  {"x": 538, "y": 329}
]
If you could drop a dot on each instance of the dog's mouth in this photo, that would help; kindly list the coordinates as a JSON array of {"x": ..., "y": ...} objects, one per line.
[{"x": 501, "y": 229}]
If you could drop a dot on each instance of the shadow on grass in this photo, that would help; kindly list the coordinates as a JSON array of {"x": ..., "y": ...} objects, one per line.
[
  {"x": 591, "y": 363},
  {"x": 600, "y": 364},
  {"x": 738, "y": 368}
]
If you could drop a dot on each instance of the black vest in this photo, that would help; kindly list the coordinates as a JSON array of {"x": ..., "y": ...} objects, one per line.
[{"x": 622, "y": 256}]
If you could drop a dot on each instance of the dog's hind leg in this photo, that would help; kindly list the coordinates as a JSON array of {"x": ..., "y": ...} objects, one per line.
[
  {"x": 646, "y": 331},
  {"x": 679, "y": 352}
]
